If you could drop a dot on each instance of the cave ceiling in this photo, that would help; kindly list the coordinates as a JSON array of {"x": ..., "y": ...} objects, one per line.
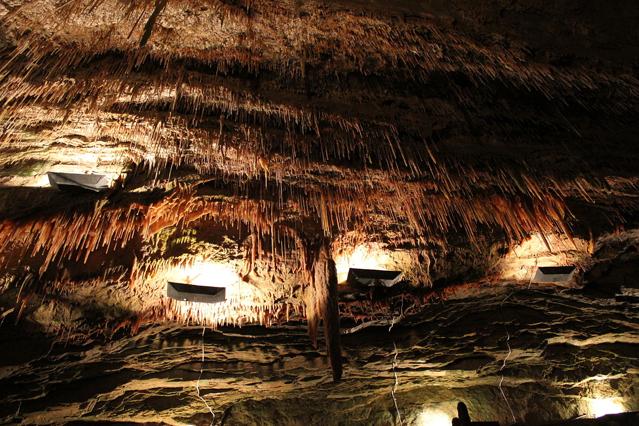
[{"x": 277, "y": 138}]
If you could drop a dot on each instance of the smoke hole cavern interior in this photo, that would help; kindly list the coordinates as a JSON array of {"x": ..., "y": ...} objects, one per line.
[{"x": 319, "y": 212}]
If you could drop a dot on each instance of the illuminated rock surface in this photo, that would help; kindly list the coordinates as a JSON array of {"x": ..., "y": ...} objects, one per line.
[
  {"x": 563, "y": 350},
  {"x": 269, "y": 146}
]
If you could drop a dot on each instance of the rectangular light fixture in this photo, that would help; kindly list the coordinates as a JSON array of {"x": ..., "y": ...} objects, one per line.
[
  {"x": 554, "y": 274},
  {"x": 91, "y": 182},
  {"x": 195, "y": 293},
  {"x": 373, "y": 277}
]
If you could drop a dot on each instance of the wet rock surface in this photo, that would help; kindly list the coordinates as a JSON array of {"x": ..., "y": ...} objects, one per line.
[{"x": 562, "y": 350}]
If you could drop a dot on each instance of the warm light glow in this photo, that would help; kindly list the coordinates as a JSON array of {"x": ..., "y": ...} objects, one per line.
[
  {"x": 434, "y": 417},
  {"x": 97, "y": 159},
  {"x": 598, "y": 407},
  {"x": 214, "y": 274},
  {"x": 211, "y": 274},
  {"x": 522, "y": 260},
  {"x": 247, "y": 299},
  {"x": 364, "y": 256},
  {"x": 244, "y": 302}
]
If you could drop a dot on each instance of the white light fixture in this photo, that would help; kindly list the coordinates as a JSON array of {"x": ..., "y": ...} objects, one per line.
[
  {"x": 363, "y": 256},
  {"x": 554, "y": 274},
  {"x": 205, "y": 281},
  {"x": 90, "y": 181},
  {"x": 195, "y": 293},
  {"x": 373, "y": 277}
]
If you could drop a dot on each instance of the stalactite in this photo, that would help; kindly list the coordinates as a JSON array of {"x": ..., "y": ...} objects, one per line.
[{"x": 321, "y": 305}]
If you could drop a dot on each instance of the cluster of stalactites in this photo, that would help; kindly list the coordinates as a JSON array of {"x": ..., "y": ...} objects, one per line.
[
  {"x": 175, "y": 116},
  {"x": 420, "y": 46},
  {"x": 76, "y": 235},
  {"x": 173, "y": 105}
]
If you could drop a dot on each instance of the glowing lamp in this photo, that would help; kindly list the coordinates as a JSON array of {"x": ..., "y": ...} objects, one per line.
[
  {"x": 598, "y": 407},
  {"x": 364, "y": 256},
  {"x": 206, "y": 273},
  {"x": 433, "y": 417},
  {"x": 203, "y": 282}
]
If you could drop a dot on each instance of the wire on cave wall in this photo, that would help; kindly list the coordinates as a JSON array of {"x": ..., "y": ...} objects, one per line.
[
  {"x": 197, "y": 384},
  {"x": 395, "y": 386},
  {"x": 395, "y": 364},
  {"x": 508, "y": 355}
]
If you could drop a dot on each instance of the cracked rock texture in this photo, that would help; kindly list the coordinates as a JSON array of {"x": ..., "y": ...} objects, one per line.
[{"x": 565, "y": 349}]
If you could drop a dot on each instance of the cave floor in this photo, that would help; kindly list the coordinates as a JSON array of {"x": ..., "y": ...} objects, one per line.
[{"x": 558, "y": 354}]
